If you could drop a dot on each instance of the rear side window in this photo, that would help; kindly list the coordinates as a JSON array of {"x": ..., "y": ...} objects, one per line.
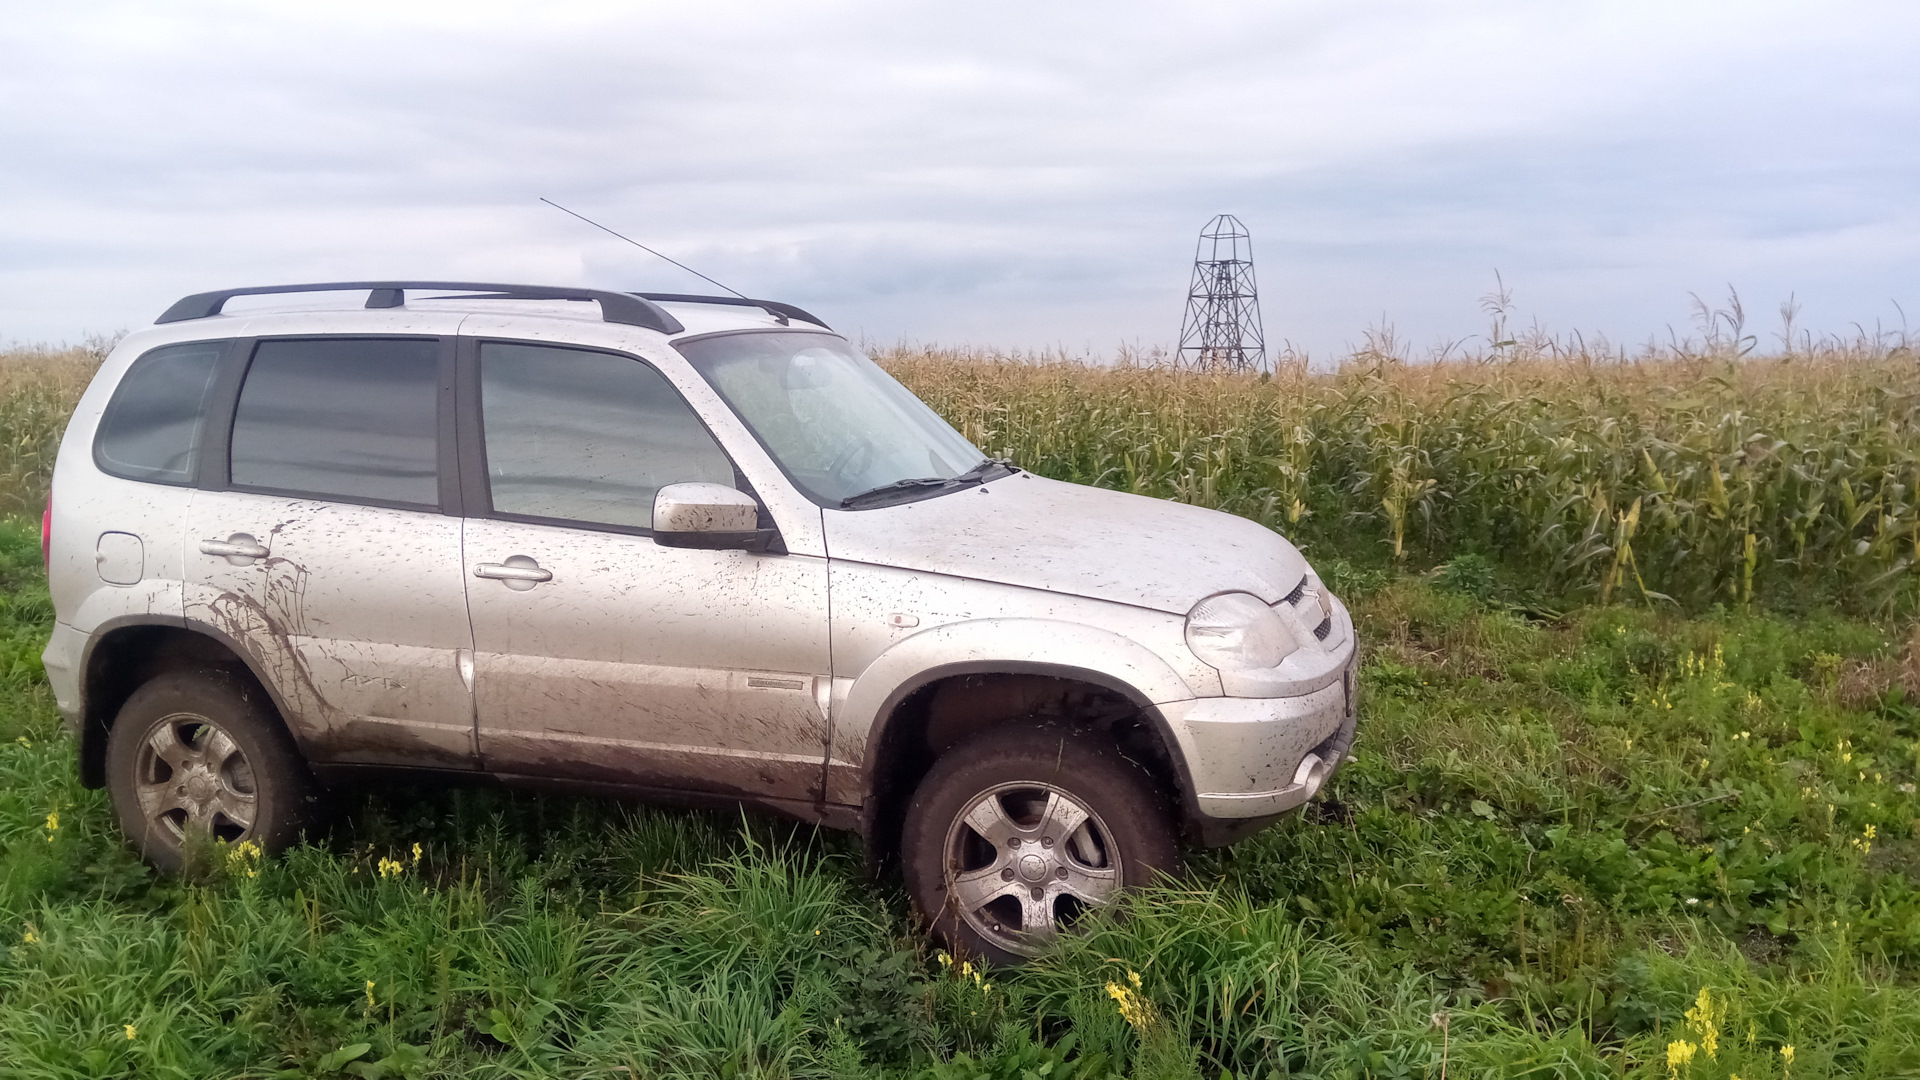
[
  {"x": 349, "y": 418},
  {"x": 151, "y": 429},
  {"x": 587, "y": 436}
]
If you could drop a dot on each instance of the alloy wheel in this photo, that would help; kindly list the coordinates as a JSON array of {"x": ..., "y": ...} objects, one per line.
[
  {"x": 1026, "y": 861},
  {"x": 191, "y": 774}
]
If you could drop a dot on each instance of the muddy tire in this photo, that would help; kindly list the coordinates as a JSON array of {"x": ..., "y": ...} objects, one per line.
[
  {"x": 201, "y": 753},
  {"x": 1018, "y": 832}
]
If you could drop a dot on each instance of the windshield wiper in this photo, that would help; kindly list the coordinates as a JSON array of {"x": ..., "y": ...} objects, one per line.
[
  {"x": 979, "y": 473},
  {"x": 873, "y": 496},
  {"x": 901, "y": 489}
]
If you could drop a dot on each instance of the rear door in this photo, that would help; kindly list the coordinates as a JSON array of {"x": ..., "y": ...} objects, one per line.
[
  {"x": 600, "y": 654},
  {"x": 322, "y": 543}
]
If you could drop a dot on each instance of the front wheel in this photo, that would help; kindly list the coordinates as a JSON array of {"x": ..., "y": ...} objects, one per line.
[
  {"x": 1018, "y": 833},
  {"x": 202, "y": 754}
]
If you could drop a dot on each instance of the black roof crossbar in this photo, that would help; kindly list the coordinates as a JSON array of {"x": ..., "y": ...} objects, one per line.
[
  {"x": 778, "y": 310},
  {"x": 630, "y": 309}
]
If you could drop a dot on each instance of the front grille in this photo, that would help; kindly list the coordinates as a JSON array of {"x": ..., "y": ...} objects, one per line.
[
  {"x": 1299, "y": 591},
  {"x": 1325, "y": 628}
]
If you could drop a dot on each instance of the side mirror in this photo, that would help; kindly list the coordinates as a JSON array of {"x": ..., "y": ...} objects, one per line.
[{"x": 714, "y": 516}]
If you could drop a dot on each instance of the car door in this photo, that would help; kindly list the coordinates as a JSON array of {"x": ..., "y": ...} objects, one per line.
[
  {"x": 321, "y": 544},
  {"x": 600, "y": 654}
]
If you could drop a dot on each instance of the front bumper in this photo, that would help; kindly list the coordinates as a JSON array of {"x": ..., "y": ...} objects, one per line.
[{"x": 1255, "y": 758}]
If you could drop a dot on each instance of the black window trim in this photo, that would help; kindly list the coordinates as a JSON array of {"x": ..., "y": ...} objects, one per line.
[
  {"x": 224, "y": 403},
  {"x": 476, "y": 492},
  {"x": 209, "y": 413}
]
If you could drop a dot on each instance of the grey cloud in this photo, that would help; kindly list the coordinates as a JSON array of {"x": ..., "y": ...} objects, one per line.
[{"x": 1011, "y": 174}]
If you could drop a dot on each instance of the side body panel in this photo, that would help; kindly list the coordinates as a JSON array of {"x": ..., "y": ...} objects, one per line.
[
  {"x": 648, "y": 665},
  {"x": 357, "y": 615},
  {"x": 91, "y": 506},
  {"x": 894, "y": 629}
]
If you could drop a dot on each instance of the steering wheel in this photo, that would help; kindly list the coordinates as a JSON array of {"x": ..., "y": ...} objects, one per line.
[{"x": 859, "y": 450}]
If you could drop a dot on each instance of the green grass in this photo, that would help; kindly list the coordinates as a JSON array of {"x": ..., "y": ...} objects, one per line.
[{"x": 1556, "y": 836}]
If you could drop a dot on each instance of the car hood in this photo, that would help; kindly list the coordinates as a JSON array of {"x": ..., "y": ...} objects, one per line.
[{"x": 1044, "y": 534}]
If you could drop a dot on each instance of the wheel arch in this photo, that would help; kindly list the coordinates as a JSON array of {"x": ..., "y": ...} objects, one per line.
[
  {"x": 122, "y": 654},
  {"x": 1019, "y": 662}
]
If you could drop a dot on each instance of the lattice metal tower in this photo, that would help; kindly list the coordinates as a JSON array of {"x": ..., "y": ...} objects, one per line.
[{"x": 1221, "y": 330}]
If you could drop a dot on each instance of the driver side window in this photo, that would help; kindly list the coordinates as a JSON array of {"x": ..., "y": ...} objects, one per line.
[{"x": 579, "y": 436}]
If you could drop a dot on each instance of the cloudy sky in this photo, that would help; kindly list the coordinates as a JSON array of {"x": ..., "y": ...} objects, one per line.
[{"x": 1017, "y": 175}]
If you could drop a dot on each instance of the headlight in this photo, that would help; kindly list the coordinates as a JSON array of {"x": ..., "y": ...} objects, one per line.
[{"x": 1237, "y": 630}]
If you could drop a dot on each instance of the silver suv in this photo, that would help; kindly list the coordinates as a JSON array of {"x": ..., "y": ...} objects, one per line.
[{"x": 680, "y": 547}]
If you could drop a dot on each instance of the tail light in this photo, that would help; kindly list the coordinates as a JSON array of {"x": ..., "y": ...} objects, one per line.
[{"x": 46, "y": 534}]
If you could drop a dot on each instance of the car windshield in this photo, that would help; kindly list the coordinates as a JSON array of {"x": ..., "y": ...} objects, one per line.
[{"x": 841, "y": 428}]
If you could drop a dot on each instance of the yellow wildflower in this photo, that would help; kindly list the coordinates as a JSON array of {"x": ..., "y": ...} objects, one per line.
[
  {"x": 369, "y": 993},
  {"x": 1865, "y": 840},
  {"x": 1704, "y": 1018},
  {"x": 243, "y": 859},
  {"x": 416, "y": 854},
  {"x": 391, "y": 868},
  {"x": 29, "y": 937},
  {"x": 131, "y": 1031},
  {"x": 1134, "y": 1006},
  {"x": 1679, "y": 1055},
  {"x": 53, "y": 824},
  {"x": 1786, "y": 1060}
]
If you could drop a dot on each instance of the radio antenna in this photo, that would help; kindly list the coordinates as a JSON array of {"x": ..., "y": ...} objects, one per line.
[{"x": 643, "y": 247}]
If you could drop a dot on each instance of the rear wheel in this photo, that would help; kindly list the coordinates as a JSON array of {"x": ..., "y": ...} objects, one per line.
[
  {"x": 201, "y": 754},
  {"x": 1018, "y": 833}
]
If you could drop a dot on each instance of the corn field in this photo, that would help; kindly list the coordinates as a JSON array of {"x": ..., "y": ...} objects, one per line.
[
  {"x": 38, "y": 389},
  {"x": 1697, "y": 478},
  {"x": 1790, "y": 480}
]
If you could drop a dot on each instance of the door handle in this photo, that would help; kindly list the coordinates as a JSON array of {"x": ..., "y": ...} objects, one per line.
[
  {"x": 236, "y": 548},
  {"x": 518, "y": 572}
]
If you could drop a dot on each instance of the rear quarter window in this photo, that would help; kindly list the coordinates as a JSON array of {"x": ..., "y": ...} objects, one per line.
[{"x": 153, "y": 424}]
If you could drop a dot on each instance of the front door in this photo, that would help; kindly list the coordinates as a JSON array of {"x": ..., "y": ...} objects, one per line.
[
  {"x": 322, "y": 550},
  {"x": 601, "y": 655}
]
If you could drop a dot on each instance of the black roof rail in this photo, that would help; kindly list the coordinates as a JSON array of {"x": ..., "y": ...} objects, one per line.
[
  {"x": 630, "y": 309},
  {"x": 778, "y": 310}
]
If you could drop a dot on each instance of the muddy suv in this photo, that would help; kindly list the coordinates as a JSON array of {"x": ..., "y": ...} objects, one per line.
[{"x": 676, "y": 547}]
